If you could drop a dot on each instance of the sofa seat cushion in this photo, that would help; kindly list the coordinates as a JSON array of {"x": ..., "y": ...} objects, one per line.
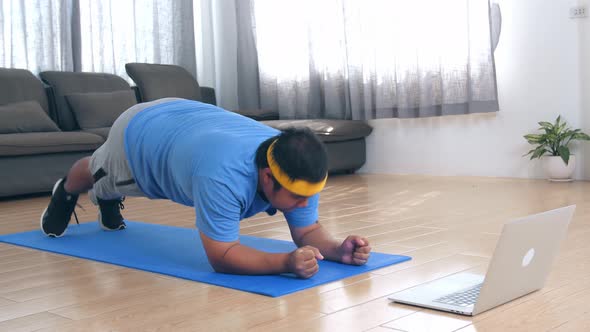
[
  {"x": 102, "y": 132},
  {"x": 259, "y": 115},
  {"x": 100, "y": 109},
  {"x": 41, "y": 143},
  {"x": 25, "y": 117},
  {"x": 326, "y": 129}
]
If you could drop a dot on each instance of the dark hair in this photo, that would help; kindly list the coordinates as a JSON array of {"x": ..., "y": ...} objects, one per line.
[{"x": 299, "y": 153}]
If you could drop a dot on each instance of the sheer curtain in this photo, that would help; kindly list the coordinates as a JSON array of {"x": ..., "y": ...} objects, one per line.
[
  {"x": 36, "y": 34},
  {"x": 113, "y": 33},
  {"x": 226, "y": 52},
  {"x": 370, "y": 59},
  {"x": 344, "y": 59},
  {"x": 96, "y": 36}
]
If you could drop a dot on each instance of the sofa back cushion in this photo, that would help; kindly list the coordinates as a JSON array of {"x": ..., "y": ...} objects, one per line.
[
  {"x": 25, "y": 117},
  {"x": 18, "y": 85},
  {"x": 99, "y": 109},
  {"x": 68, "y": 83},
  {"x": 157, "y": 81}
]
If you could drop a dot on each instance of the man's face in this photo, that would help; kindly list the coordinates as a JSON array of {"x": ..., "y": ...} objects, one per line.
[
  {"x": 286, "y": 201},
  {"x": 282, "y": 199}
]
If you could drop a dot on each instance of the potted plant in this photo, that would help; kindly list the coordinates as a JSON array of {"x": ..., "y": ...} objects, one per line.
[{"x": 553, "y": 146}]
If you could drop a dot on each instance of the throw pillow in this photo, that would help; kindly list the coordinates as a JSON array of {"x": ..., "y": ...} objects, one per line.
[
  {"x": 100, "y": 109},
  {"x": 25, "y": 117}
]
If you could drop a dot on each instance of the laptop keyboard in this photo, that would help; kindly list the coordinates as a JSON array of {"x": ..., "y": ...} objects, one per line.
[{"x": 461, "y": 298}]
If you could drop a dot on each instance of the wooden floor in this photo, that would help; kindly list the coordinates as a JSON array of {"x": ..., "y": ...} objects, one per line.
[{"x": 446, "y": 224}]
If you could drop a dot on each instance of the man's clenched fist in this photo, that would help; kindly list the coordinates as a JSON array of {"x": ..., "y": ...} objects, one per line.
[{"x": 303, "y": 261}]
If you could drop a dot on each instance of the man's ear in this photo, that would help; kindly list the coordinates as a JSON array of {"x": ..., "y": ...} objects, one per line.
[{"x": 266, "y": 175}]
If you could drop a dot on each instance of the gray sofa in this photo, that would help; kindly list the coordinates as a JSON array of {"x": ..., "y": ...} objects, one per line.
[
  {"x": 34, "y": 149},
  {"x": 45, "y": 128}
]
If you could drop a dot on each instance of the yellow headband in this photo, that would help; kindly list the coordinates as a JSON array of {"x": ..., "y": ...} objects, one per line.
[{"x": 298, "y": 187}]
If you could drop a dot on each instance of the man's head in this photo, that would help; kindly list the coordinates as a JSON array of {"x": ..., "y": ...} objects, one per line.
[{"x": 292, "y": 167}]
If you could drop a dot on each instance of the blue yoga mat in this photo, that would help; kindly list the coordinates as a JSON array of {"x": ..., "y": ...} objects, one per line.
[{"x": 178, "y": 252}]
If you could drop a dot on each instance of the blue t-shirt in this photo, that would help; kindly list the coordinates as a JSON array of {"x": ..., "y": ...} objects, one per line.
[{"x": 201, "y": 155}]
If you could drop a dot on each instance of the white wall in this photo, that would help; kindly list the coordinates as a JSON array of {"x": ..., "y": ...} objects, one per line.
[
  {"x": 584, "y": 28},
  {"x": 538, "y": 74}
]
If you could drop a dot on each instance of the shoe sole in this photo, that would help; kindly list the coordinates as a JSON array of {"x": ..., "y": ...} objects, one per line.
[
  {"x": 42, "y": 214},
  {"x": 105, "y": 227}
]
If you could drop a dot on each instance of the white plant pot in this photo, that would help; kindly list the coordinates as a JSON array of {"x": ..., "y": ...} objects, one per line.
[{"x": 557, "y": 170}]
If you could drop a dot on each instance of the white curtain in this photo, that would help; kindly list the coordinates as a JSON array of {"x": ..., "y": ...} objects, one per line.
[
  {"x": 226, "y": 52},
  {"x": 96, "y": 36},
  {"x": 115, "y": 32},
  {"x": 36, "y": 34},
  {"x": 345, "y": 59},
  {"x": 216, "y": 49},
  {"x": 369, "y": 59}
]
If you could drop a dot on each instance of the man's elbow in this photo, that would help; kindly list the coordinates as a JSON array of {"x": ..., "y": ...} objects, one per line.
[
  {"x": 219, "y": 265},
  {"x": 220, "y": 261}
]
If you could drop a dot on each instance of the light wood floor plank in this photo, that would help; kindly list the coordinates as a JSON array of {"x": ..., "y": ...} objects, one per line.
[
  {"x": 32, "y": 322},
  {"x": 427, "y": 321},
  {"x": 5, "y": 301}
]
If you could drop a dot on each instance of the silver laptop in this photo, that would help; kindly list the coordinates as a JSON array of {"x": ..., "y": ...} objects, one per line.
[{"x": 520, "y": 265}]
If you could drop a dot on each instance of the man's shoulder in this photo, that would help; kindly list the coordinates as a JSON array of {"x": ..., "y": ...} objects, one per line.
[{"x": 225, "y": 180}]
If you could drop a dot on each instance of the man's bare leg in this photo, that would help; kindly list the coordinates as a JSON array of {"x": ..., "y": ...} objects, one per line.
[{"x": 79, "y": 179}]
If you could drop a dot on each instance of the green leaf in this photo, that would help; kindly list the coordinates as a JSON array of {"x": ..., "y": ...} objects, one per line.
[
  {"x": 561, "y": 127},
  {"x": 582, "y": 136},
  {"x": 534, "y": 138},
  {"x": 564, "y": 153},
  {"x": 546, "y": 125},
  {"x": 538, "y": 152},
  {"x": 530, "y": 152}
]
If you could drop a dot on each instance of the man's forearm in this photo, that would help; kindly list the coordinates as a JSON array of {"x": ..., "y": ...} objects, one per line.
[
  {"x": 320, "y": 238},
  {"x": 240, "y": 259}
]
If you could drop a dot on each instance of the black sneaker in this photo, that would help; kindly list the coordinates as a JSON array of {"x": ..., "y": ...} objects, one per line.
[
  {"x": 109, "y": 215},
  {"x": 56, "y": 217}
]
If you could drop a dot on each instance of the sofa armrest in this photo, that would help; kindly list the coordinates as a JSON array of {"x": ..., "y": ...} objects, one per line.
[
  {"x": 259, "y": 115},
  {"x": 208, "y": 95},
  {"x": 135, "y": 89}
]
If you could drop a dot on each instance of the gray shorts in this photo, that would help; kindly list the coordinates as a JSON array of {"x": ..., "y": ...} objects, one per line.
[{"x": 109, "y": 165}]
